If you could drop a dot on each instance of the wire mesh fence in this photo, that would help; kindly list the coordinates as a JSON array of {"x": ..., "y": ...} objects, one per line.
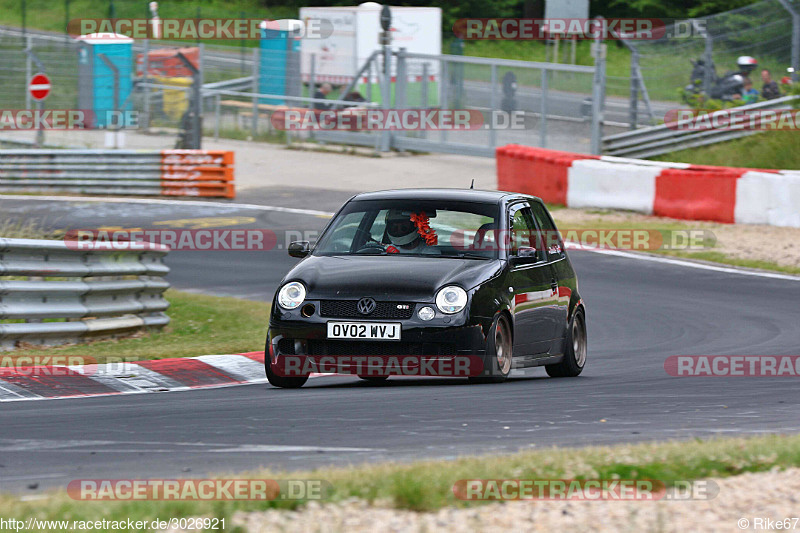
[
  {"x": 766, "y": 30},
  {"x": 517, "y": 99},
  {"x": 161, "y": 85}
]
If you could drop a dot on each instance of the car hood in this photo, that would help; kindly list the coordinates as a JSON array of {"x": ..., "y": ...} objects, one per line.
[{"x": 392, "y": 278}]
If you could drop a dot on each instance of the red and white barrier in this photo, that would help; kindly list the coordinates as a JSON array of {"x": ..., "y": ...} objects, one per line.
[
  {"x": 676, "y": 190},
  {"x": 769, "y": 198}
]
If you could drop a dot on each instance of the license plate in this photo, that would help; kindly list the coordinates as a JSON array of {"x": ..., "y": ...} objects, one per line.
[{"x": 368, "y": 331}]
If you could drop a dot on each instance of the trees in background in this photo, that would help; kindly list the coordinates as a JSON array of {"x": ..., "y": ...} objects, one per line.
[{"x": 453, "y": 10}]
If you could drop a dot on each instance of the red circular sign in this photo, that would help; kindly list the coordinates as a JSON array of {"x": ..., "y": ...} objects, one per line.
[{"x": 39, "y": 86}]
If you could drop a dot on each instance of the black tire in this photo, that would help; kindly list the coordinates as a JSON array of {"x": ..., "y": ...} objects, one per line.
[
  {"x": 498, "y": 359},
  {"x": 374, "y": 379},
  {"x": 284, "y": 382},
  {"x": 574, "y": 352}
]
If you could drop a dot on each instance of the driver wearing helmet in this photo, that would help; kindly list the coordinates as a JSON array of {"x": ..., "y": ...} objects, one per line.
[{"x": 404, "y": 235}]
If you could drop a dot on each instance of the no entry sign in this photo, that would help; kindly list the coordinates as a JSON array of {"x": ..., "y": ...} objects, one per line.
[{"x": 39, "y": 87}]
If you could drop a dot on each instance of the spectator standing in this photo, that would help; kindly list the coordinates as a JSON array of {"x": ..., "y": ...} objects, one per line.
[
  {"x": 321, "y": 94},
  {"x": 770, "y": 89}
]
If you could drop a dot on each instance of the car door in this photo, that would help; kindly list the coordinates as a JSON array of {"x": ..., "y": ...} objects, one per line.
[
  {"x": 563, "y": 277},
  {"x": 530, "y": 276}
]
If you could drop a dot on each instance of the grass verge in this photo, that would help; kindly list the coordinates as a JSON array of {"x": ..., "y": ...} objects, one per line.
[
  {"x": 773, "y": 150},
  {"x": 427, "y": 485},
  {"x": 705, "y": 249},
  {"x": 719, "y": 257},
  {"x": 200, "y": 325}
]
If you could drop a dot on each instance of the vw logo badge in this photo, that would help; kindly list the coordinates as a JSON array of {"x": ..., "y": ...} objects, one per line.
[{"x": 366, "y": 306}]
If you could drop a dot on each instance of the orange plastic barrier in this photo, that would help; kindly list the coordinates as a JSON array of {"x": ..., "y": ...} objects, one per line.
[
  {"x": 697, "y": 194},
  {"x": 197, "y": 173},
  {"x": 535, "y": 171}
]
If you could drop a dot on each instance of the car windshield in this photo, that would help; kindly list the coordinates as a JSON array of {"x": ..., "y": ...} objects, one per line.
[{"x": 427, "y": 228}]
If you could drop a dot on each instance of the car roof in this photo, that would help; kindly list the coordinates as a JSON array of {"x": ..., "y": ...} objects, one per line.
[{"x": 463, "y": 195}]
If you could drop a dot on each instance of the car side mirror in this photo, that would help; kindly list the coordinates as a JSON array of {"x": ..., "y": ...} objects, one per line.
[
  {"x": 525, "y": 256},
  {"x": 299, "y": 249}
]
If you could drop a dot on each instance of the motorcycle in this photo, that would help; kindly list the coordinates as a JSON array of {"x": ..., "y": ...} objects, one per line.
[{"x": 727, "y": 88}]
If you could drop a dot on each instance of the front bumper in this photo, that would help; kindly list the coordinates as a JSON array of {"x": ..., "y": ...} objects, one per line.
[{"x": 290, "y": 333}]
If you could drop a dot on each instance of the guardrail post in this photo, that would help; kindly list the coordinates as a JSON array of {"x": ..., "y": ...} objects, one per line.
[
  {"x": 598, "y": 94},
  {"x": 312, "y": 79},
  {"x": 400, "y": 84},
  {"x": 216, "y": 117},
  {"x": 795, "y": 37},
  {"x": 633, "y": 108},
  {"x": 312, "y": 89},
  {"x": 254, "y": 124},
  {"x": 424, "y": 94},
  {"x": 708, "y": 55},
  {"x": 543, "y": 121},
  {"x": 197, "y": 132},
  {"x": 40, "y": 104},
  {"x": 493, "y": 106},
  {"x": 444, "y": 102},
  {"x": 386, "y": 95},
  {"x": 28, "y": 70},
  {"x": 369, "y": 81},
  {"x": 145, "y": 123}
]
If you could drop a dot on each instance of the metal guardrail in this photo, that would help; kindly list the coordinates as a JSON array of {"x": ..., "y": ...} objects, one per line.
[
  {"x": 118, "y": 172},
  {"x": 238, "y": 84},
  {"x": 662, "y": 139},
  {"x": 60, "y": 294},
  {"x": 84, "y": 171}
]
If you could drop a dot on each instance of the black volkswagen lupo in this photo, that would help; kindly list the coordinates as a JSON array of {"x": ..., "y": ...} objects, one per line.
[{"x": 434, "y": 273}]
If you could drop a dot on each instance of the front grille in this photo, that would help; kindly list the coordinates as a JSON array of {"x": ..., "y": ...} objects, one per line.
[
  {"x": 322, "y": 347},
  {"x": 349, "y": 309},
  {"x": 286, "y": 346}
]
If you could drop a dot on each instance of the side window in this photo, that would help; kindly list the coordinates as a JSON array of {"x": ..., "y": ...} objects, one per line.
[
  {"x": 523, "y": 239},
  {"x": 553, "y": 243}
]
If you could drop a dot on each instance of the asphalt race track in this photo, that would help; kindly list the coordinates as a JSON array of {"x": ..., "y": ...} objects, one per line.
[{"x": 638, "y": 313}]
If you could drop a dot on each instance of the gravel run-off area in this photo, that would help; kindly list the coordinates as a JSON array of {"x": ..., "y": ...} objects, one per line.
[
  {"x": 741, "y": 241},
  {"x": 742, "y": 501}
]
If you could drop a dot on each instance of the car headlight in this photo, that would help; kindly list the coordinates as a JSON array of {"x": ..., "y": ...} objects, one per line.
[
  {"x": 291, "y": 295},
  {"x": 451, "y": 299}
]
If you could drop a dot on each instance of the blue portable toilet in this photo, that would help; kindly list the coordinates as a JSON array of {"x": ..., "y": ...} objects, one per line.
[
  {"x": 96, "y": 91},
  {"x": 279, "y": 60}
]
